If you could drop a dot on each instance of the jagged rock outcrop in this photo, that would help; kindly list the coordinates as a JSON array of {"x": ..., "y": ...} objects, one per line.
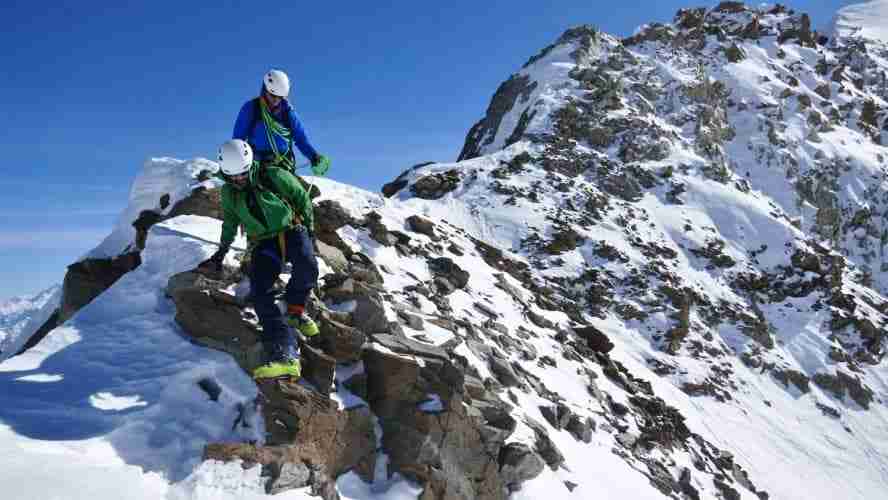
[
  {"x": 86, "y": 279},
  {"x": 309, "y": 441},
  {"x": 433, "y": 430}
]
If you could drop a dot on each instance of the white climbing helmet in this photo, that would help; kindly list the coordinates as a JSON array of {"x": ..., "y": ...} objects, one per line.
[
  {"x": 235, "y": 157},
  {"x": 277, "y": 83}
]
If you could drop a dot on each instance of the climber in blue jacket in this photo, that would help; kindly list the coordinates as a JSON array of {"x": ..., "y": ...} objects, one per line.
[{"x": 270, "y": 126}]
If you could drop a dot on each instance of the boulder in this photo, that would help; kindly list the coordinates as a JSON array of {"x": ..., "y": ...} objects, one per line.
[
  {"x": 362, "y": 268},
  {"x": 422, "y": 225},
  {"x": 519, "y": 463},
  {"x": 318, "y": 368},
  {"x": 595, "y": 339},
  {"x": 446, "y": 268},
  {"x": 504, "y": 372},
  {"x": 215, "y": 319},
  {"x": 557, "y": 415},
  {"x": 581, "y": 428},
  {"x": 544, "y": 445},
  {"x": 435, "y": 186},
  {"x": 342, "y": 342},
  {"x": 219, "y": 321},
  {"x": 438, "y": 448},
  {"x": 305, "y": 430},
  {"x": 202, "y": 201},
  {"x": 369, "y": 313},
  {"x": 333, "y": 256},
  {"x": 330, "y": 215}
]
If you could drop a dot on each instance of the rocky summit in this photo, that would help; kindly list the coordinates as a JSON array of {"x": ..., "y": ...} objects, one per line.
[{"x": 657, "y": 269}]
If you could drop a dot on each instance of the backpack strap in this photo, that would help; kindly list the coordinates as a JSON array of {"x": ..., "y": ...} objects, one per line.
[{"x": 268, "y": 184}]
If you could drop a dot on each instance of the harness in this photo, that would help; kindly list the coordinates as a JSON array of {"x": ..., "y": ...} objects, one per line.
[
  {"x": 259, "y": 180},
  {"x": 273, "y": 128}
]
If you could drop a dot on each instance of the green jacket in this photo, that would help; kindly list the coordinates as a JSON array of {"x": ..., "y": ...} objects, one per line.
[{"x": 272, "y": 199}]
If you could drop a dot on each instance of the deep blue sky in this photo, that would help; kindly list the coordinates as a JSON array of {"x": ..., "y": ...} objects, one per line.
[{"x": 89, "y": 91}]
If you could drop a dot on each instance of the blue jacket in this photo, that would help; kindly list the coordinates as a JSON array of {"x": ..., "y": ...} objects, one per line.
[{"x": 258, "y": 139}]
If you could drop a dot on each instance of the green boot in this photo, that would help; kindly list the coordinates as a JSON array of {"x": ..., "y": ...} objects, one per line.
[
  {"x": 304, "y": 324},
  {"x": 290, "y": 368}
]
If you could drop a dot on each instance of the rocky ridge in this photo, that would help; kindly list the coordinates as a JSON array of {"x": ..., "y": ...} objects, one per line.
[{"x": 637, "y": 229}]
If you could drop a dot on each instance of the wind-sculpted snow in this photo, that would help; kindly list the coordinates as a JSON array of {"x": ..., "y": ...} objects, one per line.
[
  {"x": 865, "y": 19},
  {"x": 711, "y": 195},
  {"x": 118, "y": 381},
  {"x": 159, "y": 186}
]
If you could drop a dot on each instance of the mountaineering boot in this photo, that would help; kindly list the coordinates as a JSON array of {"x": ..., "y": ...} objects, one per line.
[
  {"x": 286, "y": 368},
  {"x": 297, "y": 318},
  {"x": 304, "y": 324}
]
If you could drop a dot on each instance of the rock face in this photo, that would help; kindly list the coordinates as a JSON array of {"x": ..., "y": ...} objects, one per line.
[
  {"x": 221, "y": 321},
  {"x": 431, "y": 435},
  {"x": 309, "y": 441},
  {"x": 86, "y": 279},
  {"x": 512, "y": 92}
]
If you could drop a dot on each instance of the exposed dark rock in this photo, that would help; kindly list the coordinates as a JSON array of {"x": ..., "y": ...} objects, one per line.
[
  {"x": 538, "y": 319},
  {"x": 727, "y": 492},
  {"x": 435, "y": 186},
  {"x": 342, "y": 342},
  {"x": 304, "y": 430},
  {"x": 686, "y": 486},
  {"x": 544, "y": 445},
  {"x": 661, "y": 423},
  {"x": 357, "y": 385},
  {"x": 446, "y": 268},
  {"x": 318, "y": 368},
  {"x": 378, "y": 231},
  {"x": 519, "y": 463},
  {"x": 41, "y": 333},
  {"x": 797, "y": 378},
  {"x": 564, "y": 240},
  {"x": 369, "y": 312},
  {"x": 215, "y": 319},
  {"x": 623, "y": 185},
  {"x": 842, "y": 383},
  {"x": 422, "y": 225},
  {"x": 391, "y": 188},
  {"x": 430, "y": 446},
  {"x": 202, "y": 201},
  {"x": 211, "y": 387},
  {"x": 330, "y": 215},
  {"x": 504, "y": 373},
  {"x": 581, "y": 428},
  {"x": 517, "y": 87},
  {"x": 595, "y": 339},
  {"x": 142, "y": 224},
  {"x": 557, "y": 415},
  {"x": 362, "y": 268},
  {"x": 88, "y": 278},
  {"x": 333, "y": 256}
]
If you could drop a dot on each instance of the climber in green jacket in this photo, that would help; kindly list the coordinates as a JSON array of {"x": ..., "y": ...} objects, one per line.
[{"x": 276, "y": 214}]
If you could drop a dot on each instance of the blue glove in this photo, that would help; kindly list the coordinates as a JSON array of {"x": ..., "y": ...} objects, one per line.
[{"x": 320, "y": 165}]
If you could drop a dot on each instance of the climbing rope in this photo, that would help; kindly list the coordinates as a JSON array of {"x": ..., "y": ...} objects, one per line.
[{"x": 272, "y": 129}]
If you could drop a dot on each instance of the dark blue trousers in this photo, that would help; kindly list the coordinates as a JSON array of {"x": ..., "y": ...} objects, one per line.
[{"x": 267, "y": 264}]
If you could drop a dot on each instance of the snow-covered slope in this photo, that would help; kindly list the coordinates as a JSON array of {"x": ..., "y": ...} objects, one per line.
[
  {"x": 22, "y": 316},
  {"x": 711, "y": 194},
  {"x": 866, "y": 19},
  {"x": 707, "y": 199}
]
